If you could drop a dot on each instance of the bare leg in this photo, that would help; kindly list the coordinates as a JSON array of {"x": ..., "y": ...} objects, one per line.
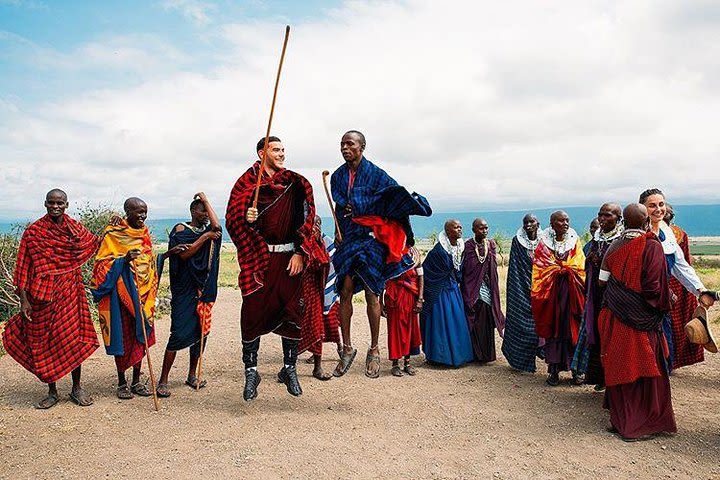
[
  {"x": 192, "y": 369},
  {"x": 78, "y": 395},
  {"x": 347, "y": 354},
  {"x": 373, "y": 313},
  {"x": 318, "y": 371},
  {"x": 136, "y": 372},
  {"x": 346, "y": 311},
  {"x": 372, "y": 363},
  {"x": 168, "y": 361},
  {"x": 76, "y": 378},
  {"x": 50, "y": 400},
  {"x": 120, "y": 374}
]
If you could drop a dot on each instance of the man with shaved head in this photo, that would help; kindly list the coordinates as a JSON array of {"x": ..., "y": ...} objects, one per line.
[
  {"x": 557, "y": 295},
  {"x": 586, "y": 360},
  {"x": 53, "y": 334},
  {"x": 373, "y": 213},
  {"x": 481, "y": 292},
  {"x": 444, "y": 329},
  {"x": 125, "y": 284},
  {"x": 636, "y": 298}
]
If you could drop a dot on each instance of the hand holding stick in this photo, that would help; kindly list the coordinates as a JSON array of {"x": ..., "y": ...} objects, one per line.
[{"x": 147, "y": 351}]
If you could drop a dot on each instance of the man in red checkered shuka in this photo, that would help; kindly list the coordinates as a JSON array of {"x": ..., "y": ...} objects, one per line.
[
  {"x": 282, "y": 267},
  {"x": 53, "y": 334}
]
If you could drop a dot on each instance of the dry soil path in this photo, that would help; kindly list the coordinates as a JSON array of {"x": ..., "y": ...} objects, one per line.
[{"x": 473, "y": 422}]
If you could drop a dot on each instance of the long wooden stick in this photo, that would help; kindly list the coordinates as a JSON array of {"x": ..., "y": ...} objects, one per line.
[
  {"x": 199, "y": 366},
  {"x": 325, "y": 174},
  {"x": 198, "y": 377},
  {"x": 272, "y": 111},
  {"x": 147, "y": 350}
]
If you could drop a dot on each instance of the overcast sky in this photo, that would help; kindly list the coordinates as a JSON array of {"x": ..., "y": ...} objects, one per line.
[{"x": 476, "y": 104}]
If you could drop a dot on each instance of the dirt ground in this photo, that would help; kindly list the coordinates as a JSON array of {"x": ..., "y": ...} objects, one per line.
[{"x": 472, "y": 422}]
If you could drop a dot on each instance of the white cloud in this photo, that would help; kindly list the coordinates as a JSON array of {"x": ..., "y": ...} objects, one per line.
[
  {"x": 474, "y": 104},
  {"x": 194, "y": 10}
]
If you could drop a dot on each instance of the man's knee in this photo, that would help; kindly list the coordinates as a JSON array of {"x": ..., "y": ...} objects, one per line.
[
  {"x": 346, "y": 292},
  {"x": 371, "y": 298}
]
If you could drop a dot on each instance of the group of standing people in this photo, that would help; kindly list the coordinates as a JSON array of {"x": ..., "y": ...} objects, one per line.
[
  {"x": 618, "y": 313},
  {"x": 614, "y": 312}
]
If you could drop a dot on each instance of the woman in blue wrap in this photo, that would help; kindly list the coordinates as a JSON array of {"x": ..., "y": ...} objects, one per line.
[{"x": 444, "y": 329}]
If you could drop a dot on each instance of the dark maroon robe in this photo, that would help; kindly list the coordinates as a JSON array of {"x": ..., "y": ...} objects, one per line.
[
  {"x": 633, "y": 346},
  {"x": 482, "y": 318},
  {"x": 277, "y": 306}
]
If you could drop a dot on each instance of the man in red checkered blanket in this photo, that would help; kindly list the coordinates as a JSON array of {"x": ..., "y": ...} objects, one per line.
[
  {"x": 53, "y": 334},
  {"x": 281, "y": 265}
]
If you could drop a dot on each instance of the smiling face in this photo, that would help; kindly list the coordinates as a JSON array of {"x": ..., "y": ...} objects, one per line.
[
  {"x": 560, "y": 223},
  {"x": 56, "y": 203},
  {"x": 136, "y": 213},
  {"x": 352, "y": 147},
  {"x": 655, "y": 205},
  {"x": 275, "y": 157}
]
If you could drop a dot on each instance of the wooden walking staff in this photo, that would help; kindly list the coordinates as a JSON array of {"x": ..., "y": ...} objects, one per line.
[
  {"x": 198, "y": 377},
  {"x": 272, "y": 110},
  {"x": 147, "y": 349},
  {"x": 199, "y": 366},
  {"x": 325, "y": 174}
]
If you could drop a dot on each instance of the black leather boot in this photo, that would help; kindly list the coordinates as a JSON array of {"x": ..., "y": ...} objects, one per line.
[
  {"x": 288, "y": 376},
  {"x": 252, "y": 380}
]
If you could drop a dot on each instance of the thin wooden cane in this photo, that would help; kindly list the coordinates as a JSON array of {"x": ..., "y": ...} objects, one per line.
[
  {"x": 272, "y": 111},
  {"x": 325, "y": 174},
  {"x": 198, "y": 377},
  {"x": 147, "y": 351}
]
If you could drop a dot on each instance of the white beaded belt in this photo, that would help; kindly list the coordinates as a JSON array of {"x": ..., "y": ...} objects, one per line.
[{"x": 286, "y": 247}]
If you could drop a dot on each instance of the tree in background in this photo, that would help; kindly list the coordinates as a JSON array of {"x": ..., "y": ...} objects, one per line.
[{"x": 501, "y": 241}]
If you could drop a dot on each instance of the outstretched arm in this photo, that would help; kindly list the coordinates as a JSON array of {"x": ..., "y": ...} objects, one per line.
[{"x": 185, "y": 250}]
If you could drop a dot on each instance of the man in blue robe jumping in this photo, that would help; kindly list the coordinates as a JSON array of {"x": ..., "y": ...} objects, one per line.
[{"x": 373, "y": 216}]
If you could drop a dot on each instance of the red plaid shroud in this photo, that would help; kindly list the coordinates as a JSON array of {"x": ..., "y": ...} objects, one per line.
[
  {"x": 252, "y": 251},
  {"x": 627, "y": 354},
  {"x": 253, "y": 255},
  {"x": 685, "y": 353},
  {"x": 60, "y": 335}
]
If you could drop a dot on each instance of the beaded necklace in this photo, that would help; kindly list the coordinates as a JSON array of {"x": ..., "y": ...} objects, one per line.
[{"x": 486, "y": 248}]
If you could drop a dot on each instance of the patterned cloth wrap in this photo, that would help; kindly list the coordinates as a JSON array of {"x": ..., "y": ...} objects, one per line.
[
  {"x": 377, "y": 236},
  {"x": 193, "y": 284},
  {"x": 544, "y": 296},
  {"x": 122, "y": 288},
  {"x": 627, "y": 353},
  {"x": 521, "y": 344},
  {"x": 60, "y": 335},
  {"x": 253, "y": 255},
  {"x": 684, "y": 352}
]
